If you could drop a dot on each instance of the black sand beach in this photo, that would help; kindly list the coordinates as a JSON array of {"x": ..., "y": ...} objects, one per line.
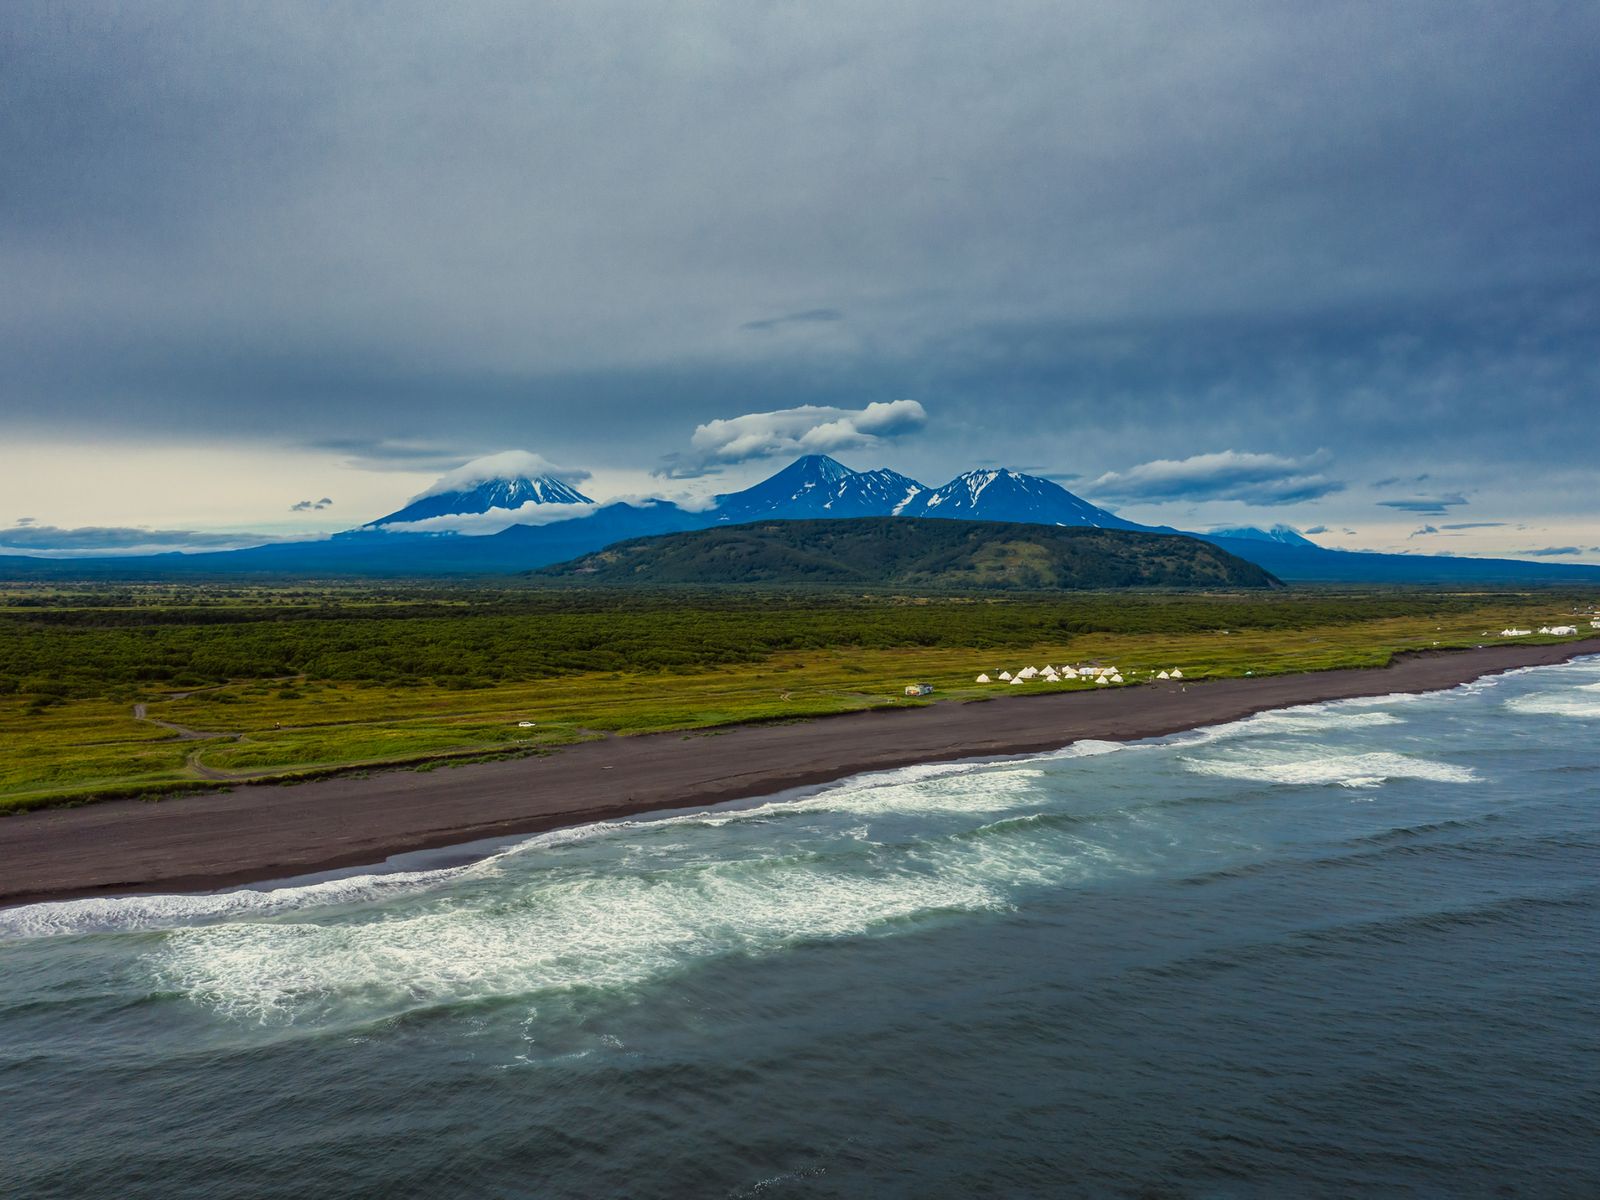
[{"x": 258, "y": 832}]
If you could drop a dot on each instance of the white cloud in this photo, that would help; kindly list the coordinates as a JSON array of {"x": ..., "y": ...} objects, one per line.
[
  {"x": 534, "y": 513},
  {"x": 508, "y": 464},
  {"x": 29, "y": 537},
  {"x": 688, "y": 501},
  {"x": 1266, "y": 479},
  {"x": 808, "y": 429},
  {"x": 495, "y": 519}
]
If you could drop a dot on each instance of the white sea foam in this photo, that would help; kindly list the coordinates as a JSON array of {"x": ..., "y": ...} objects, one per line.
[
  {"x": 1321, "y": 766},
  {"x": 602, "y": 931},
  {"x": 166, "y": 911},
  {"x": 1581, "y": 702}
]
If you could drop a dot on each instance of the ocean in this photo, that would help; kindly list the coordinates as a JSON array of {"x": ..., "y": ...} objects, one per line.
[{"x": 1350, "y": 949}]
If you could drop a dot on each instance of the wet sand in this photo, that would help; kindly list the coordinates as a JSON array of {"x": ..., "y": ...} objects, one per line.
[{"x": 261, "y": 832}]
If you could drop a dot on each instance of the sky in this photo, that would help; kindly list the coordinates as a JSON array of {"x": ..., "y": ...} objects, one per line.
[{"x": 272, "y": 268}]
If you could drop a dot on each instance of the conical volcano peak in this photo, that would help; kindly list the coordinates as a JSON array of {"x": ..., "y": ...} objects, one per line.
[{"x": 508, "y": 480}]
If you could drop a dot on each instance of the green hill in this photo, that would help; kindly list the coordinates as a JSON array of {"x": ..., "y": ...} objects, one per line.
[{"x": 917, "y": 553}]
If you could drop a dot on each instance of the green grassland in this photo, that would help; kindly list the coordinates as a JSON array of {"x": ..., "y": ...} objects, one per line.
[{"x": 147, "y": 690}]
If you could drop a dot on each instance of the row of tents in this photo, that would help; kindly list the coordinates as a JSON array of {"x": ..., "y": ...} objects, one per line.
[{"x": 1049, "y": 674}]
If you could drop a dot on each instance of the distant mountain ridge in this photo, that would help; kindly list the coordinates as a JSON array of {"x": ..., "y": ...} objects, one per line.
[
  {"x": 909, "y": 552},
  {"x": 813, "y": 486},
  {"x": 1283, "y": 535},
  {"x": 1005, "y": 495},
  {"x": 819, "y": 486},
  {"x": 418, "y": 540}
]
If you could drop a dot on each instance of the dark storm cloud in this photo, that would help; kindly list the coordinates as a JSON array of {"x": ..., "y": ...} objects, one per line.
[
  {"x": 1425, "y": 505},
  {"x": 811, "y": 316},
  {"x": 1264, "y": 479},
  {"x": 389, "y": 454},
  {"x": 1107, "y": 234}
]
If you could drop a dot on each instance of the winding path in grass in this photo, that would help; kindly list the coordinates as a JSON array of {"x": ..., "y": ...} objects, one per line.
[{"x": 184, "y": 734}]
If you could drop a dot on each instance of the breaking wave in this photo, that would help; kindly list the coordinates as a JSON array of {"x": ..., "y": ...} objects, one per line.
[
  {"x": 1321, "y": 766},
  {"x": 593, "y": 932},
  {"x": 1581, "y": 703}
]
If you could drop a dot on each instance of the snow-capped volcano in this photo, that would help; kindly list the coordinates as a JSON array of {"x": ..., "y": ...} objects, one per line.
[
  {"x": 499, "y": 481},
  {"x": 1004, "y": 495},
  {"x": 818, "y": 486}
]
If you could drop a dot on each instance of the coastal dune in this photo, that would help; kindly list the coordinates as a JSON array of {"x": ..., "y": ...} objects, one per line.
[{"x": 260, "y": 832}]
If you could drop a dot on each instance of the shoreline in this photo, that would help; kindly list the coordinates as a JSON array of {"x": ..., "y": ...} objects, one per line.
[{"x": 257, "y": 833}]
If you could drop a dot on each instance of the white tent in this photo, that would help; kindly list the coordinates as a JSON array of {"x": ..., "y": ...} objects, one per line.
[
  {"x": 1068, "y": 673},
  {"x": 1027, "y": 672},
  {"x": 1017, "y": 679},
  {"x": 1177, "y": 674},
  {"x": 981, "y": 679},
  {"x": 1005, "y": 674},
  {"x": 1101, "y": 679},
  {"x": 1116, "y": 678},
  {"x": 1163, "y": 675}
]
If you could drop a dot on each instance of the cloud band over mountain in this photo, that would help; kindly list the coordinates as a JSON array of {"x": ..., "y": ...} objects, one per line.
[
  {"x": 1263, "y": 479},
  {"x": 807, "y": 429}
]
